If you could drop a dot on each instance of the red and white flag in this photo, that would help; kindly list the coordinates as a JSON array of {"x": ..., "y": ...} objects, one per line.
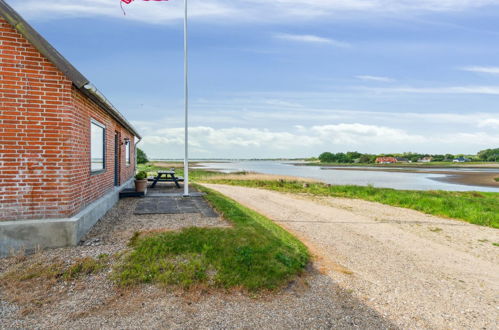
[{"x": 130, "y": 1}]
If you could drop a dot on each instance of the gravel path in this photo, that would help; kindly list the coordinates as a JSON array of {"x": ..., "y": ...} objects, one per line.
[
  {"x": 313, "y": 301},
  {"x": 420, "y": 271}
]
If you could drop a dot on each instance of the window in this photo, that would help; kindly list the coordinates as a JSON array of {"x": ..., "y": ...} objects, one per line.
[
  {"x": 97, "y": 146},
  {"x": 127, "y": 151}
]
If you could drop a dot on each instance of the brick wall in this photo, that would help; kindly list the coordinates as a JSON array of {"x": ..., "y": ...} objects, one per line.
[
  {"x": 45, "y": 137},
  {"x": 87, "y": 187}
]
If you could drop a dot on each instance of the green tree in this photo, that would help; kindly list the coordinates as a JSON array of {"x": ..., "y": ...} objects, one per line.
[
  {"x": 326, "y": 157},
  {"x": 489, "y": 155},
  {"x": 438, "y": 158},
  {"x": 352, "y": 156},
  {"x": 365, "y": 158},
  {"x": 141, "y": 156}
]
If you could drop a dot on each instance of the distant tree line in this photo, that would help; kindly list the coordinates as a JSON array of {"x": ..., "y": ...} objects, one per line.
[{"x": 488, "y": 155}]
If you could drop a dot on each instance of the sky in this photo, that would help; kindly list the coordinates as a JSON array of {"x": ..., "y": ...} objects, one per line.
[{"x": 290, "y": 78}]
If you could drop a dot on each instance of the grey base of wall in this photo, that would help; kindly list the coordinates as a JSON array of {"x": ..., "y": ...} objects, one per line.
[{"x": 26, "y": 236}]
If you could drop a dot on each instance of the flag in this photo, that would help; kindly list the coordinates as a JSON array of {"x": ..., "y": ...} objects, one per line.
[{"x": 130, "y": 1}]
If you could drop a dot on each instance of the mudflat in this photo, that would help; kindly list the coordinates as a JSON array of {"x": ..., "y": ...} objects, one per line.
[{"x": 419, "y": 271}]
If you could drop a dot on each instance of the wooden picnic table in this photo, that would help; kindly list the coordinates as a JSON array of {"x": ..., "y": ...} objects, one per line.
[{"x": 166, "y": 176}]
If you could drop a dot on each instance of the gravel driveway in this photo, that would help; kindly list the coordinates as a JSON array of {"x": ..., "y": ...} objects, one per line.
[
  {"x": 420, "y": 271},
  {"x": 313, "y": 301}
]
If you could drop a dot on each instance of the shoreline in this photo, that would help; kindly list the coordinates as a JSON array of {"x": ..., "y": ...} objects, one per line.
[
  {"x": 476, "y": 179},
  {"x": 409, "y": 165},
  {"x": 480, "y": 179}
]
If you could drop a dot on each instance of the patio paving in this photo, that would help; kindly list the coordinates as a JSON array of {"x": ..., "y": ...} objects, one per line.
[{"x": 175, "y": 205}]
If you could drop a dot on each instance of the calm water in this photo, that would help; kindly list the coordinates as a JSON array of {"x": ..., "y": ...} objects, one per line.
[{"x": 396, "y": 180}]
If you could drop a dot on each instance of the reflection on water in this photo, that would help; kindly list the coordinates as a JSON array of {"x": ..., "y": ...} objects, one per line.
[{"x": 396, "y": 180}]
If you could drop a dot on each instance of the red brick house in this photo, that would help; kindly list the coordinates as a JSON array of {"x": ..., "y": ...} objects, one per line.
[{"x": 65, "y": 151}]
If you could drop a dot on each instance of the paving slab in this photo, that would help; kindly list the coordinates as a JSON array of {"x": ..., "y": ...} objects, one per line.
[{"x": 175, "y": 205}]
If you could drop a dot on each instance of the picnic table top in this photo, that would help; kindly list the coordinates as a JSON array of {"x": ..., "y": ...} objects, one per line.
[{"x": 166, "y": 172}]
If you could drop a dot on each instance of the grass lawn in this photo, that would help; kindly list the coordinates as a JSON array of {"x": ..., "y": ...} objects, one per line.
[
  {"x": 474, "y": 207},
  {"x": 194, "y": 174},
  {"x": 254, "y": 254}
]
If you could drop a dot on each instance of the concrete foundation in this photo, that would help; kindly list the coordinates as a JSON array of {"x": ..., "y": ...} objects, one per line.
[{"x": 27, "y": 236}]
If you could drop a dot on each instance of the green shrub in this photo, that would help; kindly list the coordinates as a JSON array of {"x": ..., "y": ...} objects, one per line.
[{"x": 142, "y": 175}]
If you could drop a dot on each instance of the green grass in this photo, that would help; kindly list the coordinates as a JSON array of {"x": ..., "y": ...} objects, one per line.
[
  {"x": 479, "y": 208},
  {"x": 194, "y": 174},
  {"x": 254, "y": 254},
  {"x": 497, "y": 179}
]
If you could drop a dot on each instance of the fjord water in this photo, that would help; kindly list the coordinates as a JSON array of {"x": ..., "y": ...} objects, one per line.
[{"x": 381, "y": 179}]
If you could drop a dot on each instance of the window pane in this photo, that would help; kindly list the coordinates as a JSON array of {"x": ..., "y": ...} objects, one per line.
[
  {"x": 127, "y": 151},
  {"x": 97, "y": 147}
]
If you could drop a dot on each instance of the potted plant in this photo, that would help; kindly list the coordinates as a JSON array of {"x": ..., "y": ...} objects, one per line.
[{"x": 141, "y": 181}]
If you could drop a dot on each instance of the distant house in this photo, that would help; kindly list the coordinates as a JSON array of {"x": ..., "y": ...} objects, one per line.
[
  {"x": 386, "y": 160},
  {"x": 401, "y": 160},
  {"x": 66, "y": 152},
  {"x": 425, "y": 160},
  {"x": 461, "y": 160}
]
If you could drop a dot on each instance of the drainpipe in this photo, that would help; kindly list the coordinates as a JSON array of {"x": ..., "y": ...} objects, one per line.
[{"x": 135, "y": 150}]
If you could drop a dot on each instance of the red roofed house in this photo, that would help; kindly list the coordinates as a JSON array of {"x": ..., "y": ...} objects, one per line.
[
  {"x": 65, "y": 151},
  {"x": 386, "y": 160}
]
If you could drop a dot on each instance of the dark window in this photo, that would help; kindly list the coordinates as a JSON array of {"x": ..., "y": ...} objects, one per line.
[{"x": 97, "y": 146}]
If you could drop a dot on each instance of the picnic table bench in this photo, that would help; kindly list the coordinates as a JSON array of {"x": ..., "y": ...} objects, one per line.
[{"x": 166, "y": 176}]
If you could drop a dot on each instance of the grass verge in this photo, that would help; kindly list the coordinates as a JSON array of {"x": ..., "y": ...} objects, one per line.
[
  {"x": 479, "y": 208},
  {"x": 254, "y": 254}
]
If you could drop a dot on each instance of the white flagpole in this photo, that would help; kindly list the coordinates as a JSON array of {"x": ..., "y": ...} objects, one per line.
[{"x": 186, "y": 92}]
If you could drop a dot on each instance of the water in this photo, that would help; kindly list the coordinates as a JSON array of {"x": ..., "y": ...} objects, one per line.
[{"x": 396, "y": 180}]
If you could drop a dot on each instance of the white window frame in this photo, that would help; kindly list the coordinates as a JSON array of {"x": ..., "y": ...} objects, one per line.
[{"x": 98, "y": 124}]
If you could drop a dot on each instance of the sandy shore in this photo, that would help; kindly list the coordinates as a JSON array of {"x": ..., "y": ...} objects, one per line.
[
  {"x": 420, "y": 271},
  {"x": 482, "y": 179}
]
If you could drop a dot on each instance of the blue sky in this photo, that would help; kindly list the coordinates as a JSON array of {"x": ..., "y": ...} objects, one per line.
[{"x": 289, "y": 78}]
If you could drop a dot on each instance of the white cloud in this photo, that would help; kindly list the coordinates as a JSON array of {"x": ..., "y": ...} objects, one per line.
[
  {"x": 236, "y": 11},
  {"x": 147, "y": 12},
  {"x": 360, "y": 134},
  {"x": 489, "y": 122},
  {"x": 308, "y": 140},
  {"x": 482, "y": 69},
  {"x": 374, "y": 78},
  {"x": 308, "y": 38},
  {"x": 485, "y": 90}
]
